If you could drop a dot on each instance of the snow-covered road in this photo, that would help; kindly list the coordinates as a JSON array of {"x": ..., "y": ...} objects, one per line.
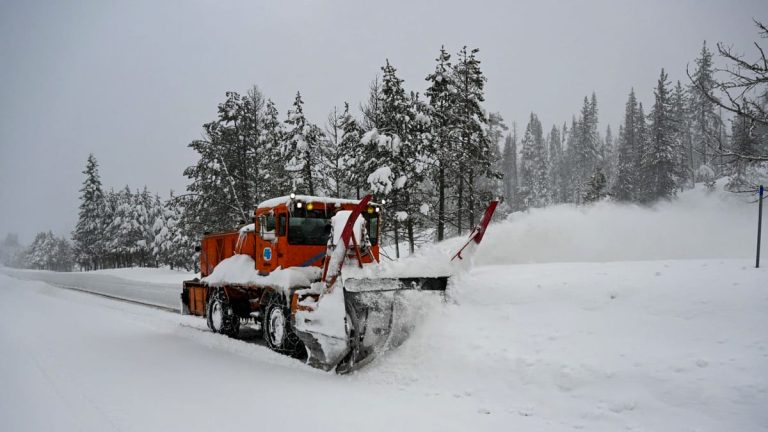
[
  {"x": 161, "y": 294},
  {"x": 654, "y": 345}
]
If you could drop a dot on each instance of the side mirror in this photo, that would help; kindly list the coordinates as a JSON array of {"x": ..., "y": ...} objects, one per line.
[{"x": 198, "y": 249}]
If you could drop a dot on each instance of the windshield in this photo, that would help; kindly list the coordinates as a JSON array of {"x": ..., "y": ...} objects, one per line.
[
  {"x": 315, "y": 230},
  {"x": 308, "y": 231},
  {"x": 372, "y": 227}
]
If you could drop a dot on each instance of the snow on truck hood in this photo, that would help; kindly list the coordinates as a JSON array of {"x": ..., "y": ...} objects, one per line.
[
  {"x": 307, "y": 198},
  {"x": 241, "y": 270}
]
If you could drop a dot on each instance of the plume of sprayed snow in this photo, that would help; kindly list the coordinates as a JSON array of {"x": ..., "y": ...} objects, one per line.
[{"x": 698, "y": 224}]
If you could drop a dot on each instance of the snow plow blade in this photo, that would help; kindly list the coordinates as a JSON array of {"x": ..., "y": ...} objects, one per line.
[{"x": 380, "y": 315}]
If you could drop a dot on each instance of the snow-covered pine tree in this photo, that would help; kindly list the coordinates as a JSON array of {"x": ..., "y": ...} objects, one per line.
[
  {"x": 146, "y": 210},
  {"x": 659, "y": 163},
  {"x": 237, "y": 166},
  {"x": 88, "y": 235},
  {"x": 302, "y": 149},
  {"x": 171, "y": 245},
  {"x": 704, "y": 121},
  {"x": 371, "y": 109},
  {"x": 397, "y": 150},
  {"x": 161, "y": 246},
  {"x": 555, "y": 162},
  {"x": 609, "y": 158},
  {"x": 40, "y": 253},
  {"x": 474, "y": 158},
  {"x": 680, "y": 106},
  {"x": 239, "y": 134},
  {"x": 211, "y": 200},
  {"x": 10, "y": 250},
  {"x": 564, "y": 168},
  {"x": 126, "y": 230},
  {"x": 534, "y": 167},
  {"x": 570, "y": 136},
  {"x": 48, "y": 252},
  {"x": 63, "y": 255},
  {"x": 643, "y": 185},
  {"x": 273, "y": 175},
  {"x": 597, "y": 186},
  {"x": 441, "y": 94},
  {"x": 334, "y": 157},
  {"x": 585, "y": 149},
  {"x": 110, "y": 210},
  {"x": 509, "y": 168},
  {"x": 490, "y": 185},
  {"x": 625, "y": 186},
  {"x": 182, "y": 251},
  {"x": 354, "y": 175}
]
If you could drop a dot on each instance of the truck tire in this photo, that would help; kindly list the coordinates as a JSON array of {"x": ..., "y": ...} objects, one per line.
[
  {"x": 277, "y": 327},
  {"x": 220, "y": 316}
]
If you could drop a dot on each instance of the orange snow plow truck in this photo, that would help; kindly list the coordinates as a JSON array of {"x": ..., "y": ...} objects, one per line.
[{"x": 282, "y": 274}]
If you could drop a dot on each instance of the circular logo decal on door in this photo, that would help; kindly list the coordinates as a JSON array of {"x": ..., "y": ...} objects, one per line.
[{"x": 267, "y": 254}]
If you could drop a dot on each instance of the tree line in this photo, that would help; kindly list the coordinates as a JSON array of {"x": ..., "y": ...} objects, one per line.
[
  {"x": 437, "y": 158},
  {"x": 431, "y": 158},
  {"x": 46, "y": 252},
  {"x": 434, "y": 158},
  {"x": 128, "y": 228}
]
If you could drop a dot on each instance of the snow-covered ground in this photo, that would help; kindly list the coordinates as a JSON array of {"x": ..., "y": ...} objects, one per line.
[
  {"x": 654, "y": 345},
  {"x": 652, "y": 320},
  {"x": 130, "y": 287},
  {"x": 149, "y": 274}
]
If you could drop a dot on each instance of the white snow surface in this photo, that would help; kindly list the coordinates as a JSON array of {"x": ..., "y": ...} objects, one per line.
[
  {"x": 381, "y": 180},
  {"x": 339, "y": 221},
  {"x": 248, "y": 228},
  {"x": 651, "y": 345},
  {"x": 148, "y": 274},
  {"x": 241, "y": 269},
  {"x": 327, "y": 318},
  {"x": 305, "y": 198},
  {"x": 654, "y": 321}
]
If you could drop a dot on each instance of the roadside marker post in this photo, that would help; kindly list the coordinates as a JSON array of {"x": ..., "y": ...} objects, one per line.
[{"x": 759, "y": 224}]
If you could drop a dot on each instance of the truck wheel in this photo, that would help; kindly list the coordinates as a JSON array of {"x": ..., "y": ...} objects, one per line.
[
  {"x": 277, "y": 328},
  {"x": 221, "y": 317}
]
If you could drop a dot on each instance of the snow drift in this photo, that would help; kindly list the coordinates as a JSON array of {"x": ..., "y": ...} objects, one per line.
[{"x": 698, "y": 224}]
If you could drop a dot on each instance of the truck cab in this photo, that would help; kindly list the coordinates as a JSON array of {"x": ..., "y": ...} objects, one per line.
[
  {"x": 289, "y": 231},
  {"x": 293, "y": 231}
]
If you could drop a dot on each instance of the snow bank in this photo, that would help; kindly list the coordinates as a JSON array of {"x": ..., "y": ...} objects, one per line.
[
  {"x": 147, "y": 274},
  {"x": 696, "y": 225},
  {"x": 650, "y": 345},
  {"x": 241, "y": 269}
]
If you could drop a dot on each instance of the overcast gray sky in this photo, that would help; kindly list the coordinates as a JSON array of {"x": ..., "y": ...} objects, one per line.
[{"x": 134, "y": 81}]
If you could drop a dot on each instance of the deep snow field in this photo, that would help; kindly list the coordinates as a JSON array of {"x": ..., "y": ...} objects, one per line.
[{"x": 601, "y": 319}]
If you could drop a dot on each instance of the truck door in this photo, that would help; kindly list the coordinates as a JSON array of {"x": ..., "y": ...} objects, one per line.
[{"x": 266, "y": 242}]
